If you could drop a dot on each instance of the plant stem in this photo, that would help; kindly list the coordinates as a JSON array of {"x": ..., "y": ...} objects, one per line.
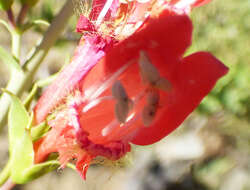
[
  {"x": 22, "y": 14},
  {"x": 16, "y": 43},
  {"x": 20, "y": 82},
  {"x": 11, "y": 17}
]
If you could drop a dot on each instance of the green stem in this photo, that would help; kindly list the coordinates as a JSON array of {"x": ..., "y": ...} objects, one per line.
[
  {"x": 5, "y": 174},
  {"x": 16, "y": 43},
  {"x": 20, "y": 82}
]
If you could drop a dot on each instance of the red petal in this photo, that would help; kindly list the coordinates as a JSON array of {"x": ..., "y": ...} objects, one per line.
[
  {"x": 194, "y": 79},
  {"x": 165, "y": 37},
  {"x": 86, "y": 56},
  {"x": 84, "y": 25},
  {"x": 82, "y": 165}
]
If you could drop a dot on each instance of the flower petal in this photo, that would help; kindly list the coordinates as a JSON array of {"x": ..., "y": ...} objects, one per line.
[
  {"x": 86, "y": 56},
  {"x": 166, "y": 37},
  {"x": 84, "y": 24},
  {"x": 195, "y": 78}
]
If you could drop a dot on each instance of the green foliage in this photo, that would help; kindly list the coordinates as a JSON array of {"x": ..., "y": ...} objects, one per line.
[
  {"x": 22, "y": 167},
  {"x": 223, "y": 28},
  {"x": 9, "y": 60},
  {"x": 5, "y": 4},
  {"x": 38, "y": 131},
  {"x": 20, "y": 143}
]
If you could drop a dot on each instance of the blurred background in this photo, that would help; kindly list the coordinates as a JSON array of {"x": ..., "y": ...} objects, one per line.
[{"x": 210, "y": 151}]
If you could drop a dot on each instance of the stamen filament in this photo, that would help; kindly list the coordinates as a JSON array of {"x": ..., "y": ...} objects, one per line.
[
  {"x": 95, "y": 102},
  {"x": 109, "y": 127},
  {"x": 105, "y": 85},
  {"x": 104, "y": 12}
]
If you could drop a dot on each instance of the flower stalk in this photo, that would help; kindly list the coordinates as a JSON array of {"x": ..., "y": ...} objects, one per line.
[
  {"x": 11, "y": 17},
  {"x": 22, "y": 14},
  {"x": 16, "y": 43}
]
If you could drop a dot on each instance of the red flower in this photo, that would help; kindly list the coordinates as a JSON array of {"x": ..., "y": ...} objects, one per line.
[{"x": 135, "y": 91}]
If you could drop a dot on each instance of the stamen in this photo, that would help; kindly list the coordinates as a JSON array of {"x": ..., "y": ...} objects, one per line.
[
  {"x": 149, "y": 111},
  {"x": 121, "y": 112},
  {"x": 163, "y": 84},
  {"x": 109, "y": 128},
  {"x": 95, "y": 102},
  {"x": 119, "y": 92},
  {"x": 153, "y": 98},
  {"x": 150, "y": 73},
  {"x": 105, "y": 85},
  {"x": 148, "y": 115},
  {"x": 104, "y": 11},
  {"x": 123, "y": 104}
]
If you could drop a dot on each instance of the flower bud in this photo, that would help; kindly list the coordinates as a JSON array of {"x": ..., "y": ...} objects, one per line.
[{"x": 5, "y": 4}]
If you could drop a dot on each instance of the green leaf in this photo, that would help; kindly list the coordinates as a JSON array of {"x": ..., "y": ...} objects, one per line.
[
  {"x": 20, "y": 142},
  {"x": 38, "y": 131},
  {"x": 5, "y": 4},
  {"x": 38, "y": 84},
  {"x": 41, "y": 22},
  {"x": 34, "y": 23},
  {"x": 22, "y": 158},
  {"x": 22, "y": 167},
  {"x": 38, "y": 170},
  {"x": 9, "y": 60}
]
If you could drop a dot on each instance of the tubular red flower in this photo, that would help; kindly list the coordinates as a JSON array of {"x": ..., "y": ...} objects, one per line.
[
  {"x": 89, "y": 51},
  {"x": 136, "y": 91}
]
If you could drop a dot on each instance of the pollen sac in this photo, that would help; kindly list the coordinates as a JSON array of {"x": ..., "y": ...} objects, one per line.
[
  {"x": 123, "y": 103},
  {"x": 150, "y": 74},
  {"x": 148, "y": 115},
  {"x": 121, "y": 112},
  {"x": 118, "y": 92},
  {"x": 153, "y": 98},
  {"x": 163, "y": 84},
  {"x": 150, "y": 109}
]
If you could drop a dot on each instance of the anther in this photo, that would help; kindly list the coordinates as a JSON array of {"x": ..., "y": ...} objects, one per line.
[
  {"x": 119, "y": 92},
  {"x": 163, "y": 84},
  {"x": 153, "y": 98},
  {"x": 150, "y": 74},
  {"x": 148, "y": 115},
  {"x": 123, "y": 103},
  {"x": 150, "y": 109},
  {"x": 96, "y": 92}
]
